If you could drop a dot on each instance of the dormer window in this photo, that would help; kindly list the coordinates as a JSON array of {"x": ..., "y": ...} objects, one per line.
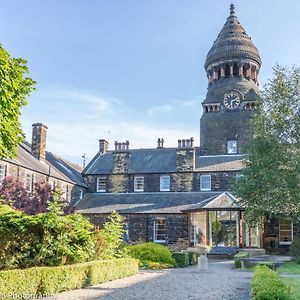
[{"x": 232, "y": 147}]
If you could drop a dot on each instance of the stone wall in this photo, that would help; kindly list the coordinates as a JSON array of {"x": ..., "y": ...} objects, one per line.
[
  {"x": 140, "y": 227},
  {"x": 20, "y": 173},
  {"x": 179, "y": 182}
]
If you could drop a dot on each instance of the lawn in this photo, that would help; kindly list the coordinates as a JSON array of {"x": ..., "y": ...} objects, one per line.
[
  {"x": 290, "y": 268},
  {"x": 294, "y": 284}
]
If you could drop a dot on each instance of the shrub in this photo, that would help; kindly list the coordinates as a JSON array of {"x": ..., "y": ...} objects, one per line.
[
  {"x": 49, "y": 280},
  {"x": 266, "y": 285},
  {"x": 181, "y": 259},
  {"x": 44, "y": 239},
  {"x": 269, "y": 265},
  {"x": 112, "y": 233},
  {"x": 192, "y": 258},
  {"x": 242, "y": 254},
  {"x": 295, "y": 249},
  {"x": 149, "y": 253}
]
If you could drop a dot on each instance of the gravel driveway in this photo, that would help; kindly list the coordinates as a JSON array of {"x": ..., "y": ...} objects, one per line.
[{"x": 222, "y": 281}]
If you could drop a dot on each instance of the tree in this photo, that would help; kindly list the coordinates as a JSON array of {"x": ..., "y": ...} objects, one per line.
[
  {"x": 14, "y": 193},
  {"x": 14, "y": 88},
  {"x": 270, "y": 182}
]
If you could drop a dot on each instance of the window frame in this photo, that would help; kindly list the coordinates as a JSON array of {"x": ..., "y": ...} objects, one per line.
[
  {"x": 230, "y": 142},
  {"x": 2, "y": 172},
  {"x": 29, "y": 186},
  {"x": 103, "y": 183},
  {"x": 162, "y": 182},
  {"x": 155, "y": 232},
  {"x": 136, "y": 184},
  {"x": 201, "y": 183},
  {"x": 291, "y": 230}
]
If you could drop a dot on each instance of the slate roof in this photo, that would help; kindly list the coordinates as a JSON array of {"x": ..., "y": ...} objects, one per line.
[
  {"x": 162, "y": 160},
  {"x": 54, "y": 166},
  {"x": 216, "y": 163},
  {"x": 135, "y": 203}
]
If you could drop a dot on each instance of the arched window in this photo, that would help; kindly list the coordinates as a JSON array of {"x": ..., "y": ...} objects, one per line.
[
  {"x": 227, "y": 71},
  {"x": 235, "y": 70},
  {"x": 219, "y": 73}
]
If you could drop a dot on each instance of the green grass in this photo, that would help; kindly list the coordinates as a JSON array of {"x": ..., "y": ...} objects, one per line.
[
  {"x": 289, "y": 268},
  {"x": 294, "y": 284}
]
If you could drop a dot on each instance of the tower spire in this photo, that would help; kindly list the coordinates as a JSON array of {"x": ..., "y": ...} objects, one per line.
[{"x": 232, "y": 10}]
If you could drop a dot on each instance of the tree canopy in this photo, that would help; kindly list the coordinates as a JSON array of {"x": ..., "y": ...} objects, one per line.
[
  {"x": 270, "y": 182},
  {"x": 14, "y": 88}
]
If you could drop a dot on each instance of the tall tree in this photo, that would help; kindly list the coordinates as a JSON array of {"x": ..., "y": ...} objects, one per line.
[
  {"x": 14, "y": 88},
  {"x": 271, "y": 179}
]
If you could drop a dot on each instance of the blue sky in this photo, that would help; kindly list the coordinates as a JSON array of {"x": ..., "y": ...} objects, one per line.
[{"x": 131, "y": 69}]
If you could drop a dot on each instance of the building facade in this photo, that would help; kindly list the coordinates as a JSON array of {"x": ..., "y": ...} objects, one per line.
[
  {"x": 34, "y": 164},
  {"x": 180, "y": 196}
]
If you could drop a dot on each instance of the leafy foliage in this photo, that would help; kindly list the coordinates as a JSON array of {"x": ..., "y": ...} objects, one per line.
[
  {"x": 14, "y": 88},
  {"x": 44, "y": 239},
  {"x": 295, "y": 249},
  {"x": 266, "y": 285},
  {"x": 40, "y": 281},
  {"x": 14, "y": 193},
  {"x": 271, "y": 180},
  {"x": 111, "y": 237},
  {"x": 151, "y": 255},
  {"x": 181, "y": 259}
]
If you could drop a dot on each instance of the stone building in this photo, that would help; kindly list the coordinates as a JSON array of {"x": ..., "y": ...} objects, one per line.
[
  {"x": 180, "y": 196},
  {"x": 34, "y": 164}
]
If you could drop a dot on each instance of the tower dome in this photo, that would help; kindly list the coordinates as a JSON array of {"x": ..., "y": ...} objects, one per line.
[{"x": 232, "y": 43}]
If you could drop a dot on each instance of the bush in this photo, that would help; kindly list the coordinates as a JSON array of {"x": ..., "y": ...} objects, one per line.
[
  {"x": 295, "y": 249},
  {"x": 112, "y": 237},
  {"x": 49, "y": 280},
  {"x": 266, "y": 285},
  {"x": 181, "y": 259},
  {"x": 151, "y": 254},
  {"x": 242, "y": 254},
  {"x": 47, "y": 239},
  {"x": 192, "y": 258},
  {"x": 269, "y": 265}
]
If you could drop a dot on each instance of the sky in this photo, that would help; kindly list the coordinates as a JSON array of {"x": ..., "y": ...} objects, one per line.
[{"x": 131, "y": 69}]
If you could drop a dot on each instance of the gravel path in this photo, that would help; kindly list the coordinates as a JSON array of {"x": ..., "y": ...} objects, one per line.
[{"x": 222, "y": 281}]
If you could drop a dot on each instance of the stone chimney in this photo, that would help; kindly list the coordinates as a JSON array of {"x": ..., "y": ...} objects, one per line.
[
  {"x": 185, "y": 155},
  {"x": 121, "y": 157},
  {"x": 103, "y": 146},
  {"x": 38, "y": 144},
  {"x": 160, "y": 143}
]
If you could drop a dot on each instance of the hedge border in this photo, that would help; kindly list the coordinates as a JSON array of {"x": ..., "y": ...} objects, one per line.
[{"x": 50, "y": 280}]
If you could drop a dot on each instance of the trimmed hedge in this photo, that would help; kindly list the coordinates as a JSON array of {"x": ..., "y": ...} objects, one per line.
[
  {"x": 266, "y": 285},
  {"x": 242, "y": 254},
  {"x": 48, "y": 280},
  {"x": 181, "y": 259},
  {"x": 192, "y": 258},
  {"x": 152, "y": 255}
]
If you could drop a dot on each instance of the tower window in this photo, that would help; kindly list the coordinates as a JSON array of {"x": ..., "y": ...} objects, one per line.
[
  {"x": 235, "y": 70},
  {"x": 232, "y": 147},
  {"x": 227, "y": 71}
]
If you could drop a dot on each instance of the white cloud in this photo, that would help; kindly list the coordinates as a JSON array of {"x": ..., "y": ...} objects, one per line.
[{"x": 78, "y": 119}]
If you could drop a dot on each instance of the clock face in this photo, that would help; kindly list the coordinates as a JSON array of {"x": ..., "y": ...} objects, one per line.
[{"x": 232, "y": 100}]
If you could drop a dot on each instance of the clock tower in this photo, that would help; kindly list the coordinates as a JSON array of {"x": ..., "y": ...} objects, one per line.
[{"x": 232, "y": 66}]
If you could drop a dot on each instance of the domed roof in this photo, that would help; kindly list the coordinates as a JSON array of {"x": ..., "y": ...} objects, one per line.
[{"x": 232, "y": 43}]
